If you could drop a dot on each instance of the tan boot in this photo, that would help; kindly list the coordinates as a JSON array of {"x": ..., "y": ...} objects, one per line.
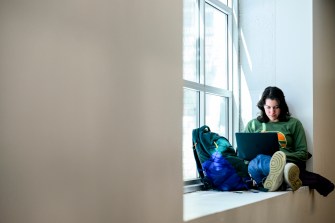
[
  {"x": 291, "y": 176},
  {"x": 275, "y": 178}
]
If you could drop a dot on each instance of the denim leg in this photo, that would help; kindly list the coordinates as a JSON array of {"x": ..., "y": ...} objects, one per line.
[{"x": 259, "y": 168}]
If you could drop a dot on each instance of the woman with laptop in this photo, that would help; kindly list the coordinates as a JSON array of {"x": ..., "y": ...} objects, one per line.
[{"x": 289, "y": 164}]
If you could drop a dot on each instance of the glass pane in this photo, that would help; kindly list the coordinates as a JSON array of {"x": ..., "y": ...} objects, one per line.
[
  {"x": 190, "y": 122},
  {"x": 217, "y": 114},
  {"x": 216, "y": 48},
  {"x": 224, "y": 1},
  {"x": 229, "y": 3},
  {"x": 190, "y": 40}
]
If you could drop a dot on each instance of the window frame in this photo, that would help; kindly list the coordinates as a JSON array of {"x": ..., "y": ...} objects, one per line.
[{"x": 232, "y": 91}]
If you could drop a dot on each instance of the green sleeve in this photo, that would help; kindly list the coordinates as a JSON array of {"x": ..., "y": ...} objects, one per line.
[
  {"x": 298, "y": 152},
  {"x": 250, "y": 126}
]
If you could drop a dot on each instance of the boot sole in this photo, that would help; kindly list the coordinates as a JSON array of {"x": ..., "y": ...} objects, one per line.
[
  {"x": 275, "y": 177},
  {"x": 292, "y": 177}
]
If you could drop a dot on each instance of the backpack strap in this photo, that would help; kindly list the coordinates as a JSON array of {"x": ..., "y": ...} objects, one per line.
[
  {"x": 197, "y": 144},
  {"x": 206, "y": 183},
  {"x": 197, "y": 160}
]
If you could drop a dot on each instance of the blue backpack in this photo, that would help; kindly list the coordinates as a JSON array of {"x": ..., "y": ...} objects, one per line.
[{"x": 217, "y": 163}]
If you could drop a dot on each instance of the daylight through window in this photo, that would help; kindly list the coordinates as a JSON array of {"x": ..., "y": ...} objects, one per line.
[{"x": 207, "y": 73}]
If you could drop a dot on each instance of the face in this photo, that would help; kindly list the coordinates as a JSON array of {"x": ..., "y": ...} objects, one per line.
[{"x": 272, "y": 109}]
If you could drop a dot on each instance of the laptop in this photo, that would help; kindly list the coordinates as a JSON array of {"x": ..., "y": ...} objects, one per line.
[{"x": 249, "y": 145}]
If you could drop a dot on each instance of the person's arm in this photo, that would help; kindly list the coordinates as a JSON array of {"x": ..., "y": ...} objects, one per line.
[
  {"x": 250, "y": 126},
  {"x": 253, "y": 126},
  {"x": 298, "y": 152}
]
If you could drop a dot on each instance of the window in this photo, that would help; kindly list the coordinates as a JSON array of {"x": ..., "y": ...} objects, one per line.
[{"x": 208, "y": 73}]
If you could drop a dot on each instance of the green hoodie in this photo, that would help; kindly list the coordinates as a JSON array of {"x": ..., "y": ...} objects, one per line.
[{"x": 291, "y": 137}]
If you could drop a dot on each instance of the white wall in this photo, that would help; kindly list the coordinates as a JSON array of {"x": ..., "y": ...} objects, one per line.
[
  {"x": 257, "y": 52},
  {"x": 277, "y": 50},
  {"x": 290, "y": 44},
  {"x": 294, "y": 61}
]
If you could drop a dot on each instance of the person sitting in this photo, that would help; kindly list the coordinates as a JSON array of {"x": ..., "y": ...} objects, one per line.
[{"x": 287, "y": 166}]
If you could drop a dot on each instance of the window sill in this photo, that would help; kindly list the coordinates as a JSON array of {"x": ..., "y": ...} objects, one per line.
[{"x": 203, "y": 203}]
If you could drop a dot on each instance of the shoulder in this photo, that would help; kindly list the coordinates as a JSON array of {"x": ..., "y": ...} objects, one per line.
[
  {"x": 253, "y": 122},
  {"x": 252, "y": 125},
  {"x": 295, "y": 122}
]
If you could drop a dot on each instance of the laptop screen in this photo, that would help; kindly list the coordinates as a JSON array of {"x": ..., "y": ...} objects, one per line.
[{"x": 249, "y": 145}]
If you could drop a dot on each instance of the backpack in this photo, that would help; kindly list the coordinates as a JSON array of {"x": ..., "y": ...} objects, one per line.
[{"x": 217, "y": 162}]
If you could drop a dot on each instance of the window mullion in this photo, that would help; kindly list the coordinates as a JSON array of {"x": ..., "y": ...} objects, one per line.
[
  {"x": 202, "y": 110},
  {"x": 201, "y": 42}
]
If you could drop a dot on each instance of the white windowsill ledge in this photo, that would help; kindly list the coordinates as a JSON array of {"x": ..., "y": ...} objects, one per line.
[{"x": 202, "y": 203}]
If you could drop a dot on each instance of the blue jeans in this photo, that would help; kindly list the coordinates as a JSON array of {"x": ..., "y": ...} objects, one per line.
[{"x": 259, "y": 168}]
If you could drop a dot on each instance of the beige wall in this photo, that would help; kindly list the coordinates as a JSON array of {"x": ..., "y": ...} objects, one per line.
[
  {"x": 91, "y": 113},
  {"x": 323, "y": 81},
  {"x": 324, "y": 91},
  {"x": 323, "y": 97}
]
